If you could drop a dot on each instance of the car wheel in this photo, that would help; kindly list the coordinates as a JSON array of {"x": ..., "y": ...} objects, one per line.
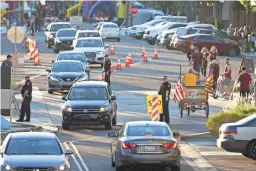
[
  {"x": 50, "y": 92},
  {"x": 232, "y": 52},
  {"x": 245, "y": 155},
  {"x": 175, "y": 168},
  {"x": 118, "y": 39},
  {"x": 251, "y": 150},
  {"x": 65, "y": 126},
  {"x": 109, "y": 125},
  {"x": 121, "y": 168}
]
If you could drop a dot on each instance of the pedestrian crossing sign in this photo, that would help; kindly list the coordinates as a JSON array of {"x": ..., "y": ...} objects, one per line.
[{"x": 150, "y": 103}]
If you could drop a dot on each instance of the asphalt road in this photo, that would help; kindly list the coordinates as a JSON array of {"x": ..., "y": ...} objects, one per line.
[{"x": 130, "y": 85}]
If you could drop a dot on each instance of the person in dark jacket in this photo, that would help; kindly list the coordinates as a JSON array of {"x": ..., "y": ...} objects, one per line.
[
  {"x": 216, "y": 73},
  {"x": 190, "y": 52},
  {"x": 107, "y": 69},
  {"x": 8, "y": 61},
  {"x": 165, "y": 91}
]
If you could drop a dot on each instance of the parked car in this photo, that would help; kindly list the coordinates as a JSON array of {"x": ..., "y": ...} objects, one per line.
[
  {"x": 239, "y": 137},
  {"x": 51, "y": 30},
  {"x": 64, "y": 74},
  {"x": 85, "y": 33},
  {"x": 63, "y": 39},
  {"x": 93, "y": 48},
  {"x": 110, "y": 31},
  {"x": 33, "y": 151},
  {"x": 145, "y": 144},
  {"x": 89, "y": 103},
  {"x": 166, "y": 37},
  {"x": 171, "y": 18},
  {"x": 224, "y": 46},
  {"x": 206, "y": 26}
]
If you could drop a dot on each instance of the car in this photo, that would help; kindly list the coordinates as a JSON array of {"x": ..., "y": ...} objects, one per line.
[
  {"x": 146, "y": 36},
  {"x": 85, "y": 33},
  {"x": 64, "y": 74},
  {"x": 93, "y": 48},
  {"x": 206, "y": 26},
  {"x": 239, "y": 137},
  {"x": 51, "y": 30},
  {"x": 33, "y": 151},
  {"x": 109, "y": 30},
  {"x": 99, "y": 25},
  {"x": 63, "y": 39},
  {"x": 89, "y": 103},
  {"x": 74, "y": 55},
  {"x": 166, "y": 37},
  {"x": 224, "y": 46},
  {"x": 145, "y": 144}
]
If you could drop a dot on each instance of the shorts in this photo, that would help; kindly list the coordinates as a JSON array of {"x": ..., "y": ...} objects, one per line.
[
  {"x": 244, "y": 93},
  {"x": 226, "y": 81}
]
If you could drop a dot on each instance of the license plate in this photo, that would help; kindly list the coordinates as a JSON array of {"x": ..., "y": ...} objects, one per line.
[{"x": 148, "y": 148}]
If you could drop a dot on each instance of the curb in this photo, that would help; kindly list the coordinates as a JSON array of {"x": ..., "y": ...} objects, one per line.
[{"x": 204, "y": 135}]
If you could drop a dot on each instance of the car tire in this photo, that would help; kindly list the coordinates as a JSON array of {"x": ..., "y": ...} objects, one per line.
[
  {"x": 109, "y": 125},
  {"x": 251, "y": 150},
  {"x": 232, "y": 52},
  {"x": 121, "y": 168},
  {"x": 50, "y": 92},
  {"x": 118, "y": 39},
  {"x": 175, "y": 168},
  {"x": 245, "y": 155},
  {"x": 65, "y": 126}
]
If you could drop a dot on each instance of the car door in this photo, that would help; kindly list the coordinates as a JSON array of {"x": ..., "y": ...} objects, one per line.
[
  {"x": 247, "y": 131},
  {"x": 203, "y": 41},
  {"x": 116, "y": 142},
  {"x": 220, "y": 44},
  {"x": 112, "y": 102}
]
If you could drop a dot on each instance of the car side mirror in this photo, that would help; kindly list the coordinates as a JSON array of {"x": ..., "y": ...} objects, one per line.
[
  {"x": 69, "y": 152},
  {"x": 112, "y": 134},
  {"x": 53, "y": 61},
  {"x": 64, "y": 97},
  {"x": 113, "y": 98},
  {"x": 176, "y": 134},
  {"x": 48, "y": 70}
]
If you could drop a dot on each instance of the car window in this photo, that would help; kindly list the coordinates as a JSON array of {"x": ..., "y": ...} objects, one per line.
[
  {"x": 89, "y": 43},
  {"x": 89, "y": 34},
  {"x": 205, "y": 38},
  {"x": 216, "y": 39},
  {"x": 217, "y": 35},
  {"x": 67, "y": 67},
  {"x": 72, "y": 56},
  {"x": 191, "y": 31},
  {"x": 174, "y": 26},
  {"x": 181, "y": 31},
  {"x": 148, "y": 131},
  {"x": 205, "y": 32},
  {"x": 33, "y": 147},
  {"x": 56, "y": 27},
  {"x": 88, "y": 93},
  {"x": 110, "y": 26},
  {"x": 66, "y": 33}
]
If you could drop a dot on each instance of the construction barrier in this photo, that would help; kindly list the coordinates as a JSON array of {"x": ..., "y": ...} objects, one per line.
[
  {"x": 155, "y": 54},
  {"x": 119, "y": 65},
  {"x": 154, "y": 106},
  {"x": 112, "y": 50},
  {"x": 33, "y": 52}
]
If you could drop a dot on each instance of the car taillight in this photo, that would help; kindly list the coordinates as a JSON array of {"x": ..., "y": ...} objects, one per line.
[
  {"x": 170, "y": 145},
  {"x": 229, "y": 132},
  {"x": 127, "y": 145}
]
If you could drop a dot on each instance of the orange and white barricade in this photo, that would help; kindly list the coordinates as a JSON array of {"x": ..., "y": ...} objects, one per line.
[
  {"x": 154, "y": 106},
  {"x": 33, "y": 52}
]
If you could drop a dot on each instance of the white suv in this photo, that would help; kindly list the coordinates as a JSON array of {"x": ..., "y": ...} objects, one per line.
[
  {"x": 110, "y": 30},
  {"x": 239, "y": 137},
  {"x": 85, "y": 33},
  {"x": 93, "y": 48}
]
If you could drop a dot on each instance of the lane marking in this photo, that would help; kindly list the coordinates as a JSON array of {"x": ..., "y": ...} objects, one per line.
[
  {"x": 74, "y": 158},
  {"x": 79, "y": 156}
]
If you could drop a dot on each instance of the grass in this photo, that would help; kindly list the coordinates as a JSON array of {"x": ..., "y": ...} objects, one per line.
[{"x": 16, "y": 86}]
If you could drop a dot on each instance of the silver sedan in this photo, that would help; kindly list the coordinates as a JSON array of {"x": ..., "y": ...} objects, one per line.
[{"x": 145, "y": 144}]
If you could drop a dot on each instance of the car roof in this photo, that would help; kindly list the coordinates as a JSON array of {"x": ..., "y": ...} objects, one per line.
[
  {"x": 33, "y": 135},
  {"x": 71, "y": 51},
  {"x": 110, "y": 23},
  {"x": 84, "y": 31},
  {"x": 60, "y": 23},
  {"x": 90, "y": 84},
  {"x": 67, "y": 61},
  {"x": 89, "y": 38},
  {"x": 145, "y": 123},
  {"x": 67, "y": 29}
]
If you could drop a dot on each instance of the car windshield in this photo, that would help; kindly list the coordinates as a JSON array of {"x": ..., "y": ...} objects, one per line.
[
  {"x": 89, "y": 43},
  {"x": 89, "y": 34},
  {"x": 88, "y": 93},
  {"x": 66, "y": 33},
  {"x": 67, "y": 67},
  {"x": 110, "y": 26},
  {"x": 246, "y": 120},
  {"x": 72, "y": 56},
  {"x": 33, "y": 147},
  {"x": 56, "y": 27},
  {"x": 148, "y": 131}
]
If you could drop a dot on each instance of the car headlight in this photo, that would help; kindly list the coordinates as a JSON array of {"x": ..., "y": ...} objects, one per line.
[
  {"x": 58, "y": 41},
  {"x": 100, "y": 53},
  {"x": 63, "y": 167},
  {"x": 67, "y": 108},
  {"x": 104, "y": 109},
  {"x": 50, "y": 36},
  {"x": 84, "y": 78},
  {"x": 6, "y": 167},
  {"x": 53, "y": 78},
  {"x": 142, "y": 29}
]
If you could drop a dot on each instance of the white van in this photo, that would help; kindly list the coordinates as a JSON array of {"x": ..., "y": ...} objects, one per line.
[{"x": 182, "y": 19}]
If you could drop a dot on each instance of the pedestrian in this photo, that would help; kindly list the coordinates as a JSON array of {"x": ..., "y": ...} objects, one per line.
[
  {"x": 197, "y": 60},
  {"x": 8, "y": 61},
  {"x": 245, "y": 81},
  {"x": 230, "y": 30},
  {"x": 165, "y": 91},
  {"x": 107, "y": 69},
  {"x": 26, "y": 93},
  {"x": 213, "y": 54},
  {"x": 189, "y": 53},
  {"x": 205, "y": 54},
  {"x": 37, "y": 22},
  {"x": 215, "y": 73},
  {"x": 226, "y": 78}
]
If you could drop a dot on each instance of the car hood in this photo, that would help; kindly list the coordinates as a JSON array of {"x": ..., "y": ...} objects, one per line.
[
  {"x": 231, "y": 41},
  {"x": 142, "y": 26},
  {"x": 68, "y": 74},
  {"x": 87, "y": 104},
  {"x": 34, "y": 160},
  {"x": 64, "y": 38},
  {"x": 89, "y": 49}
]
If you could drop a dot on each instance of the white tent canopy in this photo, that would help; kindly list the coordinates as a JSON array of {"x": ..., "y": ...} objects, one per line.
[{"x": 4, "y": 5}]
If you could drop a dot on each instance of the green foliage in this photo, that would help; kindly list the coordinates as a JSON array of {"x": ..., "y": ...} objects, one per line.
[
  {"x": 239, "y": 112},
  {"x": 16, "y": 86},
  {"x": 237, "y": 6}
]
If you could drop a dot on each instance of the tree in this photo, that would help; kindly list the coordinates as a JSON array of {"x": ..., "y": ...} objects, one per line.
[{"x": 247, "y": 5}]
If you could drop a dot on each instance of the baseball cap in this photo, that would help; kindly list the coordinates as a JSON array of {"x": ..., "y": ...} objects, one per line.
[{"x": 9, "y": 56}]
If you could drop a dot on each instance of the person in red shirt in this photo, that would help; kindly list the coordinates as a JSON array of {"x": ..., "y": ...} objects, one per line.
[
  {"x": 245, "y": 81},
  {"x": 197, "y": 60}
]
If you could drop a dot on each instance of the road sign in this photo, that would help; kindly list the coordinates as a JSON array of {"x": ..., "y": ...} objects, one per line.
[
  {"x": 16, "y": 34},
  {"x": 149, "y": 104},
  {"x": 76, "y": 20},
  {"x": 133, "y": 10}
]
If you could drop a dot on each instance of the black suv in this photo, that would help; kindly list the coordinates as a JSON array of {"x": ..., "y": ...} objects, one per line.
[
  {"x": 89, "y": 103},
  {"x": 64, "y": 39}
]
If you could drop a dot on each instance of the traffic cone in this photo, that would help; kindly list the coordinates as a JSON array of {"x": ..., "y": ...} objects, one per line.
[
  {"x": 112, "y": 68},
  {"x": 112, "y": 50},
  {"x": 130, "y": 58},
  {"x": 145, "y": 58},
  {"x": 119, "y": 65},
  {"x": 143, "y": 51},
  {"x": 155, "y": 54},
  {"x": 127, "y": 62}
]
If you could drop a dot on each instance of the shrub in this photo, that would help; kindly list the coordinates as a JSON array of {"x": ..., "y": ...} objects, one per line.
[{"x": 239, "y": 112}]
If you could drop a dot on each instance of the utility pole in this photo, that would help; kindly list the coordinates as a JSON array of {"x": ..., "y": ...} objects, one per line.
[{"x": 127, "y": 18}]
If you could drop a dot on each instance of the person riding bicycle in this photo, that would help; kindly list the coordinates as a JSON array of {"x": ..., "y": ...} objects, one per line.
[{"x": 190, "y": 78}]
